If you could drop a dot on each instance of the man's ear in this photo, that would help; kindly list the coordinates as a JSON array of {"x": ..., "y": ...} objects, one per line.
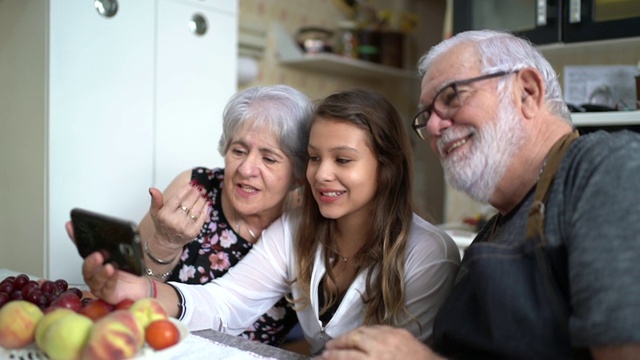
[{"x": 531, "y": 91}]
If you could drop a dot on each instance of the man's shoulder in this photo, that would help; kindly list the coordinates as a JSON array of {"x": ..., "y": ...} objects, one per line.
[
  {"x": 604, "y": 149},
  {"x": 601, "y": 140}
]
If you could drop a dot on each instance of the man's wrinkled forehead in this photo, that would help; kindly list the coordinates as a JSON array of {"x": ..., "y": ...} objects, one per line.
[{"x": 457, "y": 63}]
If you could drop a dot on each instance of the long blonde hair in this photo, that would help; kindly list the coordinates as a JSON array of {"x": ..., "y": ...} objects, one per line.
[{"x": 383, "y": 255}]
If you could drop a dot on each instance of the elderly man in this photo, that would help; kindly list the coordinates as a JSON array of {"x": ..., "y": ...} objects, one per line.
[{"x": 554, "y": 275}]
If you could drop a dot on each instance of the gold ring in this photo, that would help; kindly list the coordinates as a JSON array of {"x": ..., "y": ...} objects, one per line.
[
  {"x": 184, "y": 208},
  {"x": 356, "y": 338},
  {"x": 193, "y": 217}
]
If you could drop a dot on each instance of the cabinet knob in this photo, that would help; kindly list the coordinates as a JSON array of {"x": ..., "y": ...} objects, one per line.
[
  {"x": 106, "y": 8},
  {"x": 198, "y": 24}
]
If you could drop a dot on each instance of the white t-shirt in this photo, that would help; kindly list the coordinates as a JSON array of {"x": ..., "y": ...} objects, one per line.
[{"x": 233, "y": 302}]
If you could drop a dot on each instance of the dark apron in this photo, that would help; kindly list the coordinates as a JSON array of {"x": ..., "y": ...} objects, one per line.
[{"x": 513, "y": 302}]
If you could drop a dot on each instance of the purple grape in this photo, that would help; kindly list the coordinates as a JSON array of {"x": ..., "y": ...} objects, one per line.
[
  {"x": 8, "y": 279},
  {"x": 20, "y": 281},
  {"x": 48, "y": 287},
  {"x": 34, "y": 296},
  {"x": 76, "y": 291},
  {"x": 61, "y": 285},
  {"x": 27, "y": 288},
  {"x": 51, "y": 297},
  {"x": 43, "y": 302},
  {"x": 17, "y": 295},
  {"x": 6, "y": 288}
]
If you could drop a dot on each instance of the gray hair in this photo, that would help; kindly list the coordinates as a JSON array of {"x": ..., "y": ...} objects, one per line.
[
  {"x": 283, "y": 109},
  {"x": 502, "y": 51}
]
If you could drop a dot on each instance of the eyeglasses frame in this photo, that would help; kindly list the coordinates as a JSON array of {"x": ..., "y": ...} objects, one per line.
[{"x": 454, "y": 84}]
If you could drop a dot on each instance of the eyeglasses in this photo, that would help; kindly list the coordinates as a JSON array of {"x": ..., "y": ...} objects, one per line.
[{"x": 447, "y": 102}]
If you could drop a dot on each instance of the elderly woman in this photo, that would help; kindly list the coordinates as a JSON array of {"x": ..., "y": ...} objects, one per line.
[{"x": 207, "y": 220}]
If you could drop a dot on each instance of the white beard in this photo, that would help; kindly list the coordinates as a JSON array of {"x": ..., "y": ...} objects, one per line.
[{"x": 478, "y": 170}]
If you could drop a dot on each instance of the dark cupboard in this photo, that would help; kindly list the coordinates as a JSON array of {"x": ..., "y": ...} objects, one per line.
[{"x": 551, "y": 21}]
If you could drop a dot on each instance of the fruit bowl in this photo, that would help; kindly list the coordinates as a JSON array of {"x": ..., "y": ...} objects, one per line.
[{"x": 146, "y": 353}]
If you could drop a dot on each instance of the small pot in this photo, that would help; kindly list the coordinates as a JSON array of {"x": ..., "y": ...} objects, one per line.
[{"x": 314, "y": 39}]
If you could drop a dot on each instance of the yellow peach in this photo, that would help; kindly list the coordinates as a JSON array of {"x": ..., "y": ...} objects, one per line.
[
  {"x": 18, "y": 321},
  {"x": 115, "y": 336},
  {"x": 66, "y": 336},
  {"x": 148, "y": 310},
  {"x": 48, "y": 319}
]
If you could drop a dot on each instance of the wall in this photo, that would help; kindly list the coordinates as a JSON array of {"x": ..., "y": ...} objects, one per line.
[
  {"x": 24, "y": 99},
  {"x": 294, "y": 14}
]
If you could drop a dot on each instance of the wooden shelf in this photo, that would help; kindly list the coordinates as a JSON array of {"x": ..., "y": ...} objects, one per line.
[
  {"x": 291, "y": 55},
  {"x": 610, "y": 118},
  {"x": 335, "y": 64}
]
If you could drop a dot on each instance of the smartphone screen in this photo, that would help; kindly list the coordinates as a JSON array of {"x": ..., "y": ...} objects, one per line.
[{"x": 118, "y": 240}]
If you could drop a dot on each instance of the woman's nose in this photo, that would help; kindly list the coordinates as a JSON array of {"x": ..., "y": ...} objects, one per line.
[
  {"x": 249, "y": 167},
  {"x": 324, "y": 171}
]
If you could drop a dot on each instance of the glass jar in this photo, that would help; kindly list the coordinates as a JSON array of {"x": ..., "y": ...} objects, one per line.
[{"x": 346, "y": 40}]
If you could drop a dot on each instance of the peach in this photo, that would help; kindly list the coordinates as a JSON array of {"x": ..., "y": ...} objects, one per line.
[
  {"x": 148, "y": 310},
  {"x": 18, "y": 321},
  {"x": 115, "y": 336},
  {"x": 66, "y": 336},
  {"x": 50, "y": 316}
]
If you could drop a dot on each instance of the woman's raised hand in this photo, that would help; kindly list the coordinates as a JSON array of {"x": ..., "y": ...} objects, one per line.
[{"x": 178, "y": 220}]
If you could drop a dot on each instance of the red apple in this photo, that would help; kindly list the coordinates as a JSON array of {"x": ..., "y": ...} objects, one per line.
[
  {"x": 124, "y": 304},
  {"x": 68, "y": 300}
]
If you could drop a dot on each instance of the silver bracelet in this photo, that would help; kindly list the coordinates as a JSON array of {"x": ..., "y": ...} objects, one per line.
[
  {"x": 155, "y": 259},
  {"x": 162, "y": 277}
]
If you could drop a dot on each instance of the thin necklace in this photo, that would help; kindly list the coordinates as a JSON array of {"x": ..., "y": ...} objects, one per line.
[
  {"x": 344, "y": 258},
  {"x": 253, "y": 235}
]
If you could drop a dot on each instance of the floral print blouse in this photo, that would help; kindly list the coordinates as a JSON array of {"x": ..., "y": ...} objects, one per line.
[{"x": 216, "y": 249}]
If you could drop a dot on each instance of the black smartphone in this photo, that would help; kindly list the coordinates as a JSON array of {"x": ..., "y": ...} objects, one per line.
[{"x": 118, "y": 240}]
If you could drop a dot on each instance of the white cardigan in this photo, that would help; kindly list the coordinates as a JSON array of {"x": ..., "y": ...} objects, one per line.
[{"x": 234, "y": 301}]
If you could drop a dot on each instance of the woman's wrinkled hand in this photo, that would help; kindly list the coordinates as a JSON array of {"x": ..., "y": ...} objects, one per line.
[
  {"x": 180, "y": 219},
  {"x": 377, "y": 342}
]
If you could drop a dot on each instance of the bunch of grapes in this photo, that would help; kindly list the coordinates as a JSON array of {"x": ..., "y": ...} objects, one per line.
[{"x": 42, "y": 293}]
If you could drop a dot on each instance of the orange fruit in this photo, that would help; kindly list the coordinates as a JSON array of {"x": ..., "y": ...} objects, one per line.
[{"x": 160, "y": 334}]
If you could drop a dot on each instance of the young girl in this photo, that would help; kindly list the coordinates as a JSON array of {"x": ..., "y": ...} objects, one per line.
[{"x": 354, "y": 254}]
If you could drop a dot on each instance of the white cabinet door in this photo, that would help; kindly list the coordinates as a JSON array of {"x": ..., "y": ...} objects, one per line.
[
  {"x": 196, "y": 75},
  {"x": 101, "y": 76}
]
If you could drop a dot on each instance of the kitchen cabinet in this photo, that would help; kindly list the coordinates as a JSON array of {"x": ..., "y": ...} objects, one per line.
[
  {"x": 551, "y": 21},
  {"x": 97, "y": 108}
]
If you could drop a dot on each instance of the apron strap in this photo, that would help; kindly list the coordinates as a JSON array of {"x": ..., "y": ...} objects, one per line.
[{"x": 535, "y": 224}]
